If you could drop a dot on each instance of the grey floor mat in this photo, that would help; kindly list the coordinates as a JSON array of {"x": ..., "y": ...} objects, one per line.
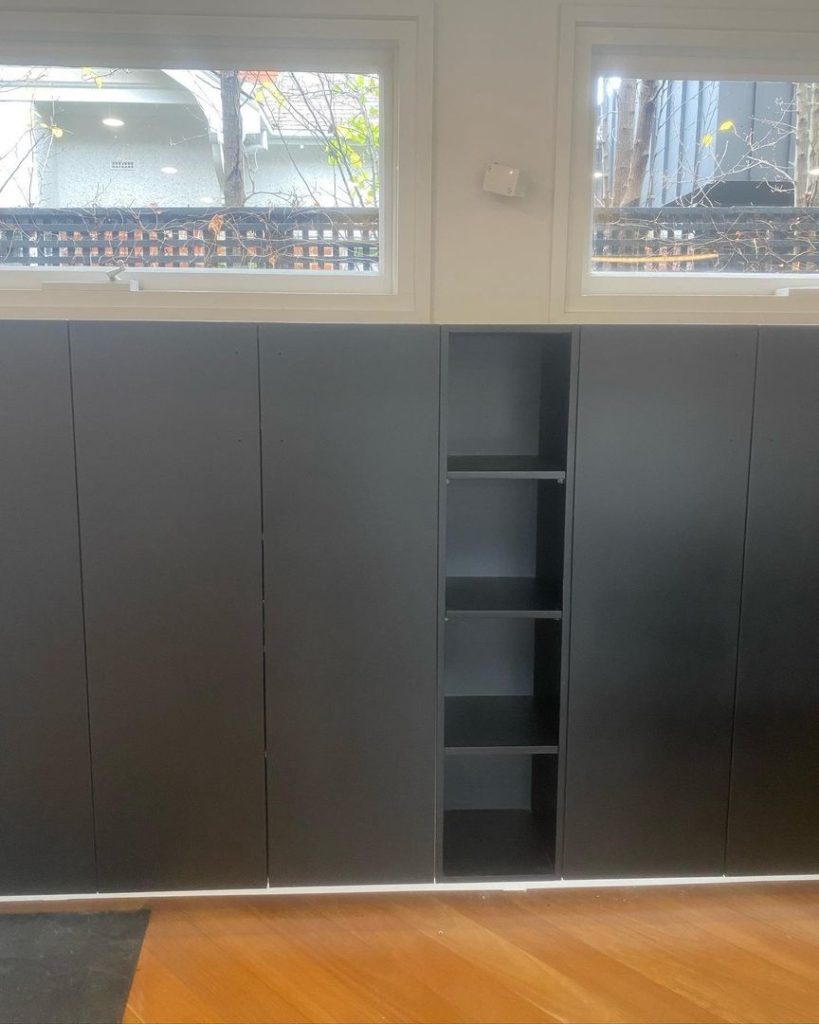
[{"x": 72, "y": 968}]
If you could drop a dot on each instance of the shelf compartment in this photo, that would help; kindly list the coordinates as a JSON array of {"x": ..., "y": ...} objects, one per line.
[
  {"x": 500, "y": 815},
  {"x": 515, "y": 596},
  {"x": 508, "y": 393},
  {"x": 488, "y": 843},
  {"x": 497, "y": 725},
  {"x": 502, "y": 467}
]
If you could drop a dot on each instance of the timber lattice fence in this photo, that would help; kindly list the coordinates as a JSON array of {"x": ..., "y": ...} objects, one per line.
[{"x": 248, "y": 237}]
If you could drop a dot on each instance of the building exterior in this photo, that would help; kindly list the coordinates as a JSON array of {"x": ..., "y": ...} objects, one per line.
[
  {"x": 708, "y": 138},
  {"x": 126, "y": 138}
]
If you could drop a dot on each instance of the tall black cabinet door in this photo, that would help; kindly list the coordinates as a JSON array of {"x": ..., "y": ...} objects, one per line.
[
  {"x": 46, "y": 832},
  {"x": 663, "y": 437},
  {"x": 167, "y": 429},
  {"x": 350, "y": 468},
  {"x": 774, "y": 819}
]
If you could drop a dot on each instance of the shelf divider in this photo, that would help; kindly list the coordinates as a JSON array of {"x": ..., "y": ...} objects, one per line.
[{"x": 502, "y": 467}]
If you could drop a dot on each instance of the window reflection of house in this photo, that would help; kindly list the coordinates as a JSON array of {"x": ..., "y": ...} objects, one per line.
[{"x": 165, "y": 152}]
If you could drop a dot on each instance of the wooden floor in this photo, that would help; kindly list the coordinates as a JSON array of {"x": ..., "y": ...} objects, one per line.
[
  {"x": 700, "y": 953},
  {"x": 721, "y": 953}
]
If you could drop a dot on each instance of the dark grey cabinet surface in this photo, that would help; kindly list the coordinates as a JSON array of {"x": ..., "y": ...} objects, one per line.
[
  {"x": 46, "y": 832},
  {"x": 350, "y": 468},
  {"x": 219, "y": 604},
  {"x": 167, "y": 433},
  {"x": 774, "y": 818},
  {"x": 663, "y": 435}
]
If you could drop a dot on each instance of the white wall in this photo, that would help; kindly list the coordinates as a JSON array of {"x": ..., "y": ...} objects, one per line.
[
  {"x": 494, "y": 100},
  {"x": 495, "y": 97}
]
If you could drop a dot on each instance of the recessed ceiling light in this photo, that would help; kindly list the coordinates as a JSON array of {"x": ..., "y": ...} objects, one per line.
[
  {"x": 170, "y": 170},
  {"x": 113, "y": 122}
]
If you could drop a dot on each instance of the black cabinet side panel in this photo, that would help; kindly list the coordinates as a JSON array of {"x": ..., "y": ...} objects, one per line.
[
  {"x": 46, "y": 832},
  {"x": 774, "y": 819},
  {"x": 663, "y": 436},
  {"x": 168, "y": 467},
  {"x": 350, "y": 467}
]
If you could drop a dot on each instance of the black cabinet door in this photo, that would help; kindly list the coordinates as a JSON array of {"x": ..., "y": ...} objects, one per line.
[
  {"x": 46, "y": 832},
  {"x": 350, "y": 468},
  {"x": 663, "y": 437},
  {"x": 774, "y": 819},
  {"x": 167, "y": 431}
]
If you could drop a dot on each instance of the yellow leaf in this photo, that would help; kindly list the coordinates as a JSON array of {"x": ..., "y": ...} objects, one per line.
[
  {"x": 707, "y": 139},
  {"x": 56, "y": 131},
  {"x": 98, "y": 81},
  {"x": 259, "y": 95},
  {"x": 726, "y": 126}
]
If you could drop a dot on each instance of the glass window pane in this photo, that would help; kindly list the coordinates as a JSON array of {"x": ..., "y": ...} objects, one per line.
[
  {"x": 718, "y": 177},
  {"x": 239, "y": 168}
]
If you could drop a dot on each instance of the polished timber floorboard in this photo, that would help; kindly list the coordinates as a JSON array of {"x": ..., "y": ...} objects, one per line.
[{"x": 703, "y": 953}]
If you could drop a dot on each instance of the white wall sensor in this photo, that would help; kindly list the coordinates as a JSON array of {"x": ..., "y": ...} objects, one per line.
[{"x": 503, "y": 180}]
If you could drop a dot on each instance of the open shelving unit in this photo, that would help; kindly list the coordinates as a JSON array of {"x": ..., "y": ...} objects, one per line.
[{"x": 506, "y": 425}]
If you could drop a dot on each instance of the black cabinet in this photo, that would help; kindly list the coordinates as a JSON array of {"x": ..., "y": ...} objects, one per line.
[
  {"x": 350, "y": 469},
  {"x": 276, "y": 612},
  {"x": 167, "y": 435},
  {"x": 46, "y": 832},
  {"x": 663, "y": 436},
  {"x": 774, "y": 817}
]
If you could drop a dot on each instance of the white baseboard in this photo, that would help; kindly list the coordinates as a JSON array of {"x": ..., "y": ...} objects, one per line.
[{"x": 442, "y": 887}]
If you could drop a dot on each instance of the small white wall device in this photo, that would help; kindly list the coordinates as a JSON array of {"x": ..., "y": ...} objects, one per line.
[{"x": 503, "y": 180}]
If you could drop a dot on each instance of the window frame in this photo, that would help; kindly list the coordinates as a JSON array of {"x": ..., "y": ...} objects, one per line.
[
  {"x": 397, "y": 47},
  {"x": 650, "y": 42}
]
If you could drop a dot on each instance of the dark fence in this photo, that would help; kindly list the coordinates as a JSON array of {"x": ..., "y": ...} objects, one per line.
[
  {"x": 699, "y": 238},
  {"x": 253, "y": 238},
  {"x": 770, "y": 239}
]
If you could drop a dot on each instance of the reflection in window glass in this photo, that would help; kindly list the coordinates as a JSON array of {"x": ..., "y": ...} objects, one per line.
[
  {"x": 706, "y": 177},
  {"x": 253, "y": 169}
]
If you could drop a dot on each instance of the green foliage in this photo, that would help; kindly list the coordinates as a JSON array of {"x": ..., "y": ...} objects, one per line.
[
  {"x": 343, "y": 116},
  {"x": 356, "y": 141}
]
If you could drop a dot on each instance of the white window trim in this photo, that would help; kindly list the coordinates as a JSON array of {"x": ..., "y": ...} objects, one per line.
[
  {"x": 661, "y": 42},
  {"x": 397, "y": 43}
]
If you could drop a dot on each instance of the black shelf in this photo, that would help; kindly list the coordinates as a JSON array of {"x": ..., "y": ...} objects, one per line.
[
  {"x": 508, "y": 431},
  {"x": 517, "y": 596},
  {"x": 502, "y": 467},
  {"x": 505, "y": 843},
  {"x": 497, "y": 725}
]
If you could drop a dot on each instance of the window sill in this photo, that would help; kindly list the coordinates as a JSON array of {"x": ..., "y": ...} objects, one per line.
[{"x": 112, "y": 303}]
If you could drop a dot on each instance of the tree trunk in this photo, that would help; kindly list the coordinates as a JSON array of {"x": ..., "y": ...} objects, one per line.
[
  {"x": 801, "y": 144},
  {"x": 813, "y": 146},
  {"x": 646, "y": 117},
  {"x": 624, "y": 139},
  {"x": 232, "y": 138}
]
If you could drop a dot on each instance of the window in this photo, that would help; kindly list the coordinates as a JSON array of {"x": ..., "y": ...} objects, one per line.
[
  {"x": 259, "y": 169},
  {"x": 692, "y": 169},
  {"x": 716, "y": 177},
  {"x": 250, "y": 158}
]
